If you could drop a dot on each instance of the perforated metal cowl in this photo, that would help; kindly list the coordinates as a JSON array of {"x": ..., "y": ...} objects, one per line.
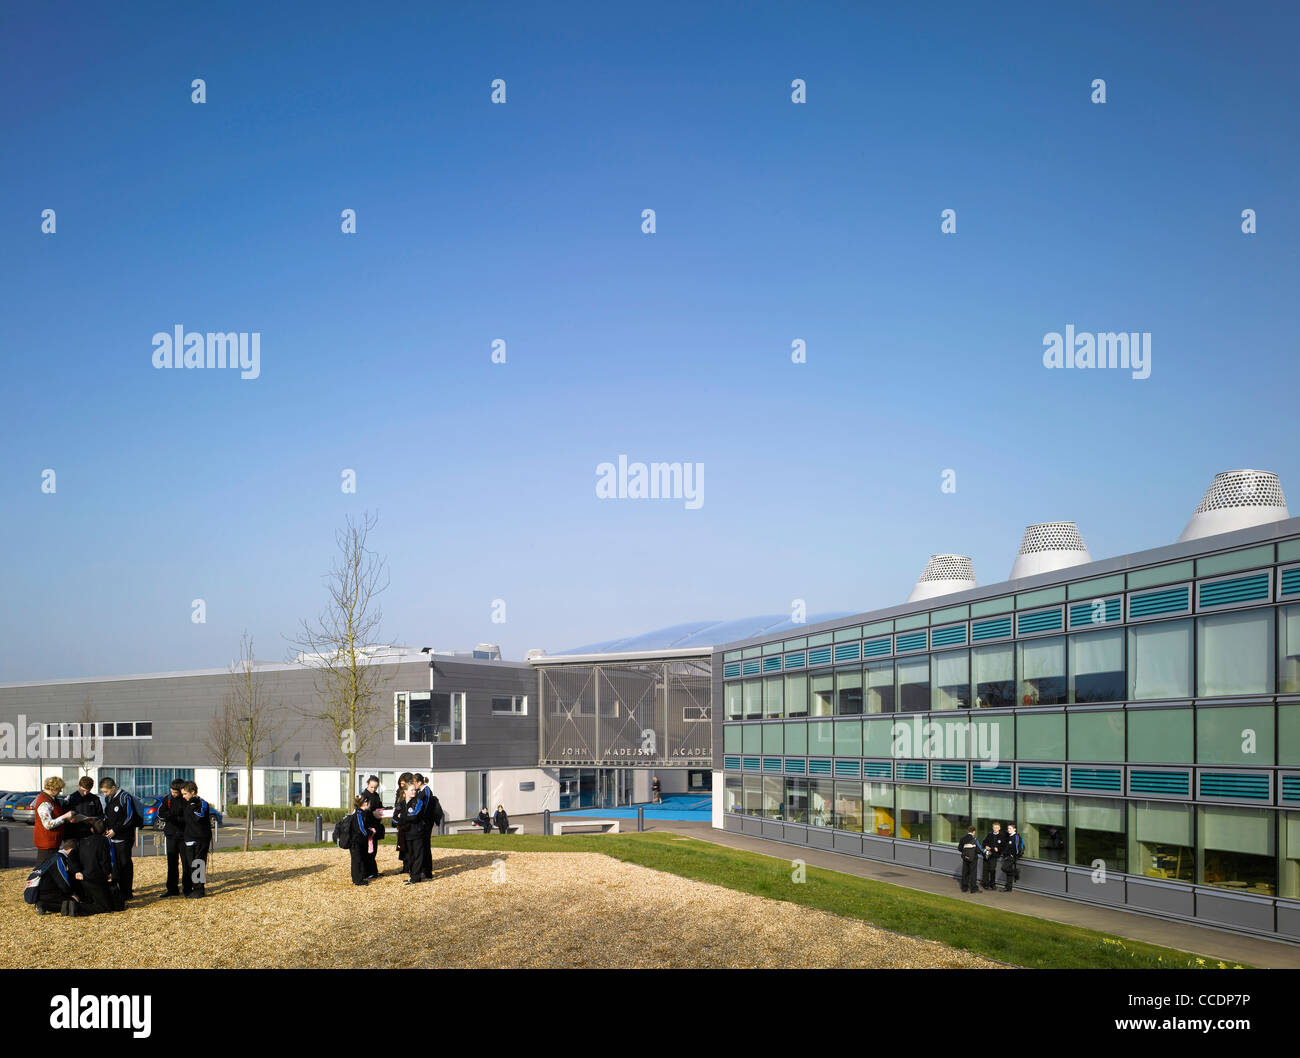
[
  {"x": 1237, "y": 499},
  {"x": 1049, "y": 546},
  {"x": 943, "y": 575}
]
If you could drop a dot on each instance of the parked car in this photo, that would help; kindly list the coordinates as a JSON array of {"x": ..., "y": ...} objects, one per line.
[
  {"x": 22, "y": 810},
  {"x": 149, "y": 806},
  {"x": 7, "y": 804}
]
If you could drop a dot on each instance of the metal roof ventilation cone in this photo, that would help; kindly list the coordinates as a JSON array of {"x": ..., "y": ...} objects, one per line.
[
  {"x": 1049, "y": 546},
  {"x": 943, "y": 575},
  {"x": 1237, "y": 499}
]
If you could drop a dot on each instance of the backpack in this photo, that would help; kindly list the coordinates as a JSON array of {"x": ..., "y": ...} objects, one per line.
[
  {"x": 970, "y": 852},
  {"x": 1018, "y": 846},
  {"x": 33, "y": 887},
  {"x": 435, "y": 810},
  {"x": 343, "y": 833}
]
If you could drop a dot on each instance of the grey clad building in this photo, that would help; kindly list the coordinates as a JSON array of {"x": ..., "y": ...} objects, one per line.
[{"x": 1138, "y": 718}]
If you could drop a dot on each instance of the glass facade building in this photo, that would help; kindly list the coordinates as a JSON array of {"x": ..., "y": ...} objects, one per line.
[{"x": 1137, "y": 718}]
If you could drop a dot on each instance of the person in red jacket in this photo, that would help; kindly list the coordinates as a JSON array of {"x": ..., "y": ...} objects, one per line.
[{"x": 49, "y": 819}]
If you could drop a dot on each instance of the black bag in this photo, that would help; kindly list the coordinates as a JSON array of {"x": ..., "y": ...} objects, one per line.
[
  {"x": 435, "y": 810},
  {"x": 33, "y": 887},
  {"x": 343, "y": 833},
  {"x": 970, "y": 853}
]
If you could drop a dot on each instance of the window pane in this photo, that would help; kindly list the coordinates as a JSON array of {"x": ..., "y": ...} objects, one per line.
[
  {"x": 989, "y": 808},
  {"x": 1097, "y": 736},
  {"x": 772, "y": 741},
  {"x": 796, "y": 739},
  {"x": 796, "y": 800},
  {"x": 773, "y": 698},
  {"x": 913, "y": 684},
  {"x": 848, "y": 806},
  {"x": 796, "y": 696},
  {"x": 877, "y": 738},
  {"x": 773, "y": 788},
  {"x": 994, "y": 740},
  {"x": 1236, "y": 849},
  {"x": 821, "y": 802},
  {"x": 1288, "y": 650},
  {"x": 1160, "y": 736},
  {"x": 1042, "y": 827},
  {"x": 1235, "y": 735},
  {"x": 821, "y": 738},
  {"x": 1097, "y": 666},
  {"x": 1097, "y": 833},
  {"x": 951, "y": 815},
  {"x": 1289, "y": 853},
  {"x": 950, "y": 680},
  {"x": 848, "y": 692},
  {"x": 914, "y": 813},
  {"x": 731, "y": 739},
  {"x": 993, "y": 674},
  {"x": 1288, "y": 735},
  {"x": 732, "y": 794},
  {"x": 848, "y": 738},
  {"x": 1160, "y": 660},
  {"x": 753, "y": 795},
  {"x": 752, "y": 739},
  {"x": 1040, "y": 737},
  {"x": 753, "y": 694},
  {"x": 1042, "y": 671},
  {"x": 879, "y": 809},
  {"x": 879, "y": 676},
  {"x": 1161, "y": 837},
  {"x": 1234, "y": 653},
  {"x": 821, "y": 698},
  {"x": 735, "y": 702}
]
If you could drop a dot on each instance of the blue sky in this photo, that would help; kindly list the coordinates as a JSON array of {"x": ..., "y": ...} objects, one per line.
[{"x": 522, "y": 221}]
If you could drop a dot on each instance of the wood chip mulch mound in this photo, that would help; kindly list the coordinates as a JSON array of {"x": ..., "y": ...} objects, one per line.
[{"x": 483, "y": 909}]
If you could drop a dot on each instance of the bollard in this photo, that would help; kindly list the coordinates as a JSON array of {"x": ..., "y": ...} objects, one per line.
[
  {"x": 284, "y": 828},
  {"x": 320, "y": 828},
  {"x": 4, "y": 848},
  {"x": 139, "y": 842},
  {"x": 640, "y": 818},
  {"x": 297, "y": 821},
  {"x": 546, "y": 822},
  {"x": 272, "y": 820}
]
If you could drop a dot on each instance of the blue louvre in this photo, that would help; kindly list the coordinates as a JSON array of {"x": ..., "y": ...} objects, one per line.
[
  {"x": 1234, "y": 590},
  {"x": 772, "y": 663},
  {"x": 910, "y": 771},
  {"x": 1291, "y": 788},
  {"x": 947, "y": 771},
  {"x": 995, "y": 628},
  {"x": 751, "y": 764},
  {"x": 1235, "y": 786},
  {"x": 848, "y": 652},
  {"x": 771, "y": 763},
  {"x": 1040, "y": 778},
  {"x": 948, "y": 637},
  {"x": 751, "y": 667},
  {"x": 848, "y": 769},
  {"x": 1291, "y": 581},
  {"x": 819, "y": 767},
  {"x": 877, "y": 769},
  {"x": 876, "y": 648},
  {"x": 1044, "y": 621},
  {"x": 999, "y": 775},
  {"x": 820, "y": 656},
  {"x": 911, "y": 641},
  {"x": 1170, "y": 783},
  {"x": 795, "y": 661},
  {"x": 1097, "y": 612},
  {"x": 1104, "y": 779},
  {"x": 731, "y": 763},
  {"x": 1158, "y": 603},
  {"x": 731, "y": 668},
  {"x": 796, "y": 765}
]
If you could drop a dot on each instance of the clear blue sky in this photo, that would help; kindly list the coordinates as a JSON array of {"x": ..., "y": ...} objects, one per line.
[{"x": 775, "y": 221}]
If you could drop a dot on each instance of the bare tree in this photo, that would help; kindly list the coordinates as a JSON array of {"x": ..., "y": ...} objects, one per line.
[
  {"x": 222, "y": 742},
  {"x": 259, "y": 719},
  {"x": 343, "y": 646}
]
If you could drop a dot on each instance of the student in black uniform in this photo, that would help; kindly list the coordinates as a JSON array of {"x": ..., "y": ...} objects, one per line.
[
  {"x": 992, "y": 853},
  {"x": 171, "y": 813},
  {"x": 59, "y": 889},
  {"x": 484, "y": 820},
  {"x": 410, "y": 813},
  {"x": 361, "y": 847},
  {"x": 87, "y": 805},
  {"x": 403, "y": 784},
  {"x": 122, "y": 819},
  {"x": 196, "y": 839},
  {"x": 971, "y": 851},
  {"x": 1013, "y": 847},
  {"x": 94, "y": 862},
  {"x": 373, "y": 803},
  {"x": 430, "y": 823},
  {"x": 501, "y": 821}
]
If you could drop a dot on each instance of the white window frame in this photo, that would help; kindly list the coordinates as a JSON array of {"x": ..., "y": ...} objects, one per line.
[
  {"x": 401, "y": 732},
  {"x": 518, "y": 705}
]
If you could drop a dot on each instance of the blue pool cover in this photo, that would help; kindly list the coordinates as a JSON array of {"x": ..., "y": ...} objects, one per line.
[{"x": 686, "y": 808}]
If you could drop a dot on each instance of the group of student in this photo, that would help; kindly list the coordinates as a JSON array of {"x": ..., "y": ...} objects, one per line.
[
  {"x": 415, "y": 814},
  {"x": 84, "y": 846},
  {"x": 997, "y": 847}
]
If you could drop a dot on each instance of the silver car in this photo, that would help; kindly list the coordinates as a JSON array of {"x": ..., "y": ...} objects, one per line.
[{"x": 23, "y": 810}]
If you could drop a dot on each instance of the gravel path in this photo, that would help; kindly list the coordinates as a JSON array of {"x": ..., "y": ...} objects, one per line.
[{"x": 483, "y": 909}]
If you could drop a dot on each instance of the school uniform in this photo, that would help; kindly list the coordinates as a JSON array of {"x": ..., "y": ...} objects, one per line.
[
  {"x": 970, "y": 850},
  {"x": 94, "y": 860},
  {"x": 122, "y": 816},
  {"x": 484, "y": 820},
  {"x": 1012, "y": 849},
  {"x": 171, "y": 813},
  {"x": 196, "y": 839},
  {"x": 84, "y": 804},
  {"x": 361, "y": 848},
  {"x": 413, "y": 815},
  {"x": 58, "y": 884},
  {"x": 430, "y": 822},
  {"x": 501, "y": 821},
  {"x": 992, "y": 853}
]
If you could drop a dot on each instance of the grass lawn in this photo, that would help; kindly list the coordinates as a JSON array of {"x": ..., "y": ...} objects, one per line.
[{"x": 1002, "y": 935}]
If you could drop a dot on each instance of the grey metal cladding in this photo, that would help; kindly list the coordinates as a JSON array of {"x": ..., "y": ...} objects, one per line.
[{"x": 181, "y": 707}]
